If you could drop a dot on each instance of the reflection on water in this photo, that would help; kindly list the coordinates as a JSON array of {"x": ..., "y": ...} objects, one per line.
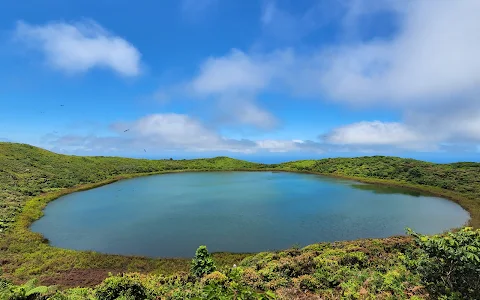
[
  {"x": 171, "y": 215},
  {"x": 382, "y": 189}
]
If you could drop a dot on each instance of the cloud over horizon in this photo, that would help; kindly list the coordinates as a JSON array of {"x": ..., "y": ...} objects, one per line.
[{"x": 170, "y": 131}]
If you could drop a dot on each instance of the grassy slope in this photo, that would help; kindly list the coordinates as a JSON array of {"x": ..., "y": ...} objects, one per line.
[{"x": 30, "y": 177}]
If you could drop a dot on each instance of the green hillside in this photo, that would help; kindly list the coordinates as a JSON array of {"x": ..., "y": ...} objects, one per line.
[
  {"x": 391, "y": 268},
  {"x": 27, "y": 171}
]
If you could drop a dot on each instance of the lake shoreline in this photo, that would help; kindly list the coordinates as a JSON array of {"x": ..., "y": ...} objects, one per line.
[
  {"x": 28, "y": 254},
  {"x": 172, "y": 210},
  {"x": 49, "y": 197}
]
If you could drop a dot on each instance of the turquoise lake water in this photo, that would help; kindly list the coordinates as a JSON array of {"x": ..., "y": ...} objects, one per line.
[{"x": 171, "y": 215}]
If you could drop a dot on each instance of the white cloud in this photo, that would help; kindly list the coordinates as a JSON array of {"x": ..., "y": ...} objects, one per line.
[
  {"x": 376, "y": 133},
  {"x": 277, "y": 146},
  {"x": 451, "y": 124},
  {"x": 233, "y": 110},
  {"x": 249, "y": 113},
  {"x": 234, "y": 81},
  {"x": 236, "y": 72},
  {"x": 161, "y": 132},
  {"x": 177, "y": 131},
  {"x": 79, "y": 47},
  {"x": 431, "y": 66},
  {"x": 433, "y": 58},
  {"x": 419, "y": 130}
]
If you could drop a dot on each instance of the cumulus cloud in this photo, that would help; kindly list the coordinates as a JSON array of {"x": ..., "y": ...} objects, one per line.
[
  {"x": 233, "y": 73},
  {"x": 79, "y": 47},
  {"x": 429, "y": 70},
  {"x": 278, "y": 145},
  {"x": 420, "y": 130},
  {"x": 163, "y": 132},
  {"x": 234, "y": 81},
  {"x": 434, "y": 57},
  {"x": 178, "y": 131},
  {"x": 376, "y": 133},
  {"x": 234, "y": 110}
]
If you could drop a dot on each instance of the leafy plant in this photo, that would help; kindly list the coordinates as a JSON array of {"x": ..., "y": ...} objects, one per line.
[
  {"x": 233, "y": 291},
  {"x": 121, "y": 286},
  {"x": 450, "y": 264},
  {"x": 203, "y": 263},
  {"x": 26, "y": 291}
]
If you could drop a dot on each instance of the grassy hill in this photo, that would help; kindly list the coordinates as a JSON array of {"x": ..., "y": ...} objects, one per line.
[
  {"x": 30, "y": 177},
  {"x": 27, "y": 171}
]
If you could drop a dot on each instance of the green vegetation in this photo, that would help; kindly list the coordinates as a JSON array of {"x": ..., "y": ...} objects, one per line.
[
  {"x": 392, "y": 268},
  {"x": 447, "y": 263},
  {"x": 445, "y": 267},
  {"x": 26, "y": 291},
  {"x": 203, "y": 263}
]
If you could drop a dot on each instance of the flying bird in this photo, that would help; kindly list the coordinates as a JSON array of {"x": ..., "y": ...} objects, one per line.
[{"x": 126, "y": 130}]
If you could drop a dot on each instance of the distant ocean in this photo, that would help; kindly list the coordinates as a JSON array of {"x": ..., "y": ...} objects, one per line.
[{"x": 274, "y": 159}]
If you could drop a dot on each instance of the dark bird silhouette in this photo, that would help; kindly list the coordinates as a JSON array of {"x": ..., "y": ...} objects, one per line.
[
  {"x": 126, "y": 130},
  {"x": 62, "y": 105}
]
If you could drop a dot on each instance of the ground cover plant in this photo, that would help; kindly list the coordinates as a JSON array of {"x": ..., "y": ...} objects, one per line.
[{"x": 392, "y": 268}]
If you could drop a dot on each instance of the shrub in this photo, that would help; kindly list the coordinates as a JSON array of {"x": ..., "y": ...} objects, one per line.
[
  {"x": 121, "y": 286},
  {"x": 354, "y": 258},
  {"x": 74, "y": 294},
  {"x": 251, "y": 278},
  {"x": 297, "y": 266},
  {"x": 234, "y": 291},
  {"x": 27, "y": 291},
  {"x": 307, "y": 282},
  {"x": 215, "y": 278},
  {"x": 450, "y": 264},
  {"x": 203, "y": 263}
]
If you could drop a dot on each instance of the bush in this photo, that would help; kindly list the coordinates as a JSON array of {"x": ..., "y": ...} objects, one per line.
[
  {"x": 27, "y": 291},
  {"x": 203, "y": 263},
  {"x": 307, "y": 282},
  {"x": 215, "y": 278},
  {"x": 234, "y": 291},
  {"x": 121, "y": 286},
  {"x": 450, "y": 264}
]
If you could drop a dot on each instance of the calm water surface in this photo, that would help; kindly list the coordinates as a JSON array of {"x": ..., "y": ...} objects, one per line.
[{"x": 171, "y": 215}]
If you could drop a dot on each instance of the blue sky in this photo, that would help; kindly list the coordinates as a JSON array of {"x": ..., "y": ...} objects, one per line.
[{"x": 261, "y": 80}]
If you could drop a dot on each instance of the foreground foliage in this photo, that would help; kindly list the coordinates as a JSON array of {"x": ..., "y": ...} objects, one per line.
[
  {"x": 203, "y": 263},
  {"x": 450, "y": 264},
  {"x": 442, "y": 266}
]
